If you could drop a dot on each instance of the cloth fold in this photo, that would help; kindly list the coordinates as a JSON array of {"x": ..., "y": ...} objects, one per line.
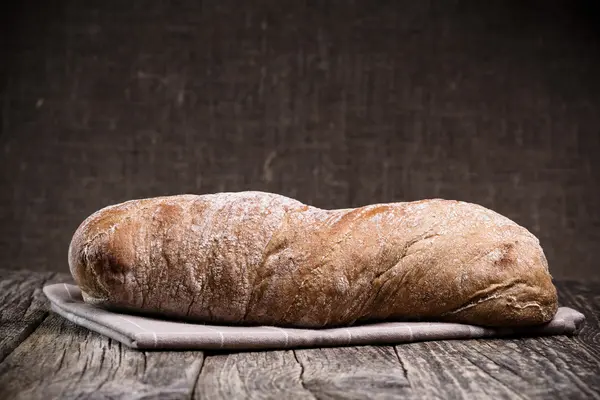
[{"x": 144, "y": 332}]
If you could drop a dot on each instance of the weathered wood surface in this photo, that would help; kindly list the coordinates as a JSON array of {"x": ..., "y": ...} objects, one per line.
[
  {"x": 266, "y": 374},
  {"x": 22, "y": 305},
  {"x": 353, "y": 372},
  {"x": 551, "y": 367},
  {"x": 64, "y": 361},
  {"x": 531, "y": 368},
  {"x": 586, "y": 299},
  {"x": 45, "y": 356}
]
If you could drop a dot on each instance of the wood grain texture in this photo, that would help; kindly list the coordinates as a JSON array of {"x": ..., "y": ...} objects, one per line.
[
  {"x": 584, "y": 297},
  {"x": 64, "y": 361},
  {"x": 353, "y": 372},
  {"x": 252, "y": 375},
  {"x": 552, "y": 367},
  {"x": 527, "y": 368},
  {"x": 23, "y": 306}
]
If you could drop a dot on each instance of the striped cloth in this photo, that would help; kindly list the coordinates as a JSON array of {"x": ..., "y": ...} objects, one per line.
[{"x": 144, "y": 332}]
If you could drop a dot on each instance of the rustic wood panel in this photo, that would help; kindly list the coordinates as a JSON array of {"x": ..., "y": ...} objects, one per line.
[
  {"x": 23, "y": 306},
  {"x": 63, "y": 360},
  {"x": 438, "y": 370},
  {"x": 353, "y": 372},
  {"x": 553, "y": 367},
  {"x": 508, "y": 369},
  {"x": 252, "y": 375},
  {"x": 584, "y": 297}
]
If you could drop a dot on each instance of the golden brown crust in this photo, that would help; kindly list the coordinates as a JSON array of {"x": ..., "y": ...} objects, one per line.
[{"x": 261, "y": 258}]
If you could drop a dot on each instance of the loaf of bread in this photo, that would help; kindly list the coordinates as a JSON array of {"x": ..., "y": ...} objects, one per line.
[{"x": 262, "y": 258}]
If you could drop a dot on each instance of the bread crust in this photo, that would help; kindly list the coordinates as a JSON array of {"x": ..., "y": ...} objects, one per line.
[{"x": 262, "y": 258}]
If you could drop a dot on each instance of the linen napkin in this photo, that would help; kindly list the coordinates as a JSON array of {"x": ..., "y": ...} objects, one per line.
[{"x": 144, "y": 332}]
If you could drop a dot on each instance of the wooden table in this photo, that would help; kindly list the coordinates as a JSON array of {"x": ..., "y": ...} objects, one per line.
[{"x": 44, "y": 356}]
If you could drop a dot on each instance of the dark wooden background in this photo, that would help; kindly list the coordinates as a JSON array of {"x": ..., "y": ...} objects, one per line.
[{"x": 337, "y": 104}]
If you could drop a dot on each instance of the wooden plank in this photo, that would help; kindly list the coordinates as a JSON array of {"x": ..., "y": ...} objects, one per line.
[
  {"x": 63, "y": 360},
  {"x": 584, "y": 297},
  {"x": 23, "y": 306},
  {"x": 551, "y": 367},
  {"x": 256, "y": 375},
  {"x": 439, "y": 370},
  {"x": 361, "y": 372},
  {"x": 521, "y": 368}
]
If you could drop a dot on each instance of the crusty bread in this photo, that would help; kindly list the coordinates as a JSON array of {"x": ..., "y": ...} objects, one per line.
[{"x": 261, "y": 258}]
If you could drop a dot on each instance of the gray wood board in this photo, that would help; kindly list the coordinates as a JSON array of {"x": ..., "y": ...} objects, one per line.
[
  {"x": 353, "y": 372},
  {"x": 256, "y": 375},
  {"x": 23, "y": 306},
  {"x": 62, "y": 360}
]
